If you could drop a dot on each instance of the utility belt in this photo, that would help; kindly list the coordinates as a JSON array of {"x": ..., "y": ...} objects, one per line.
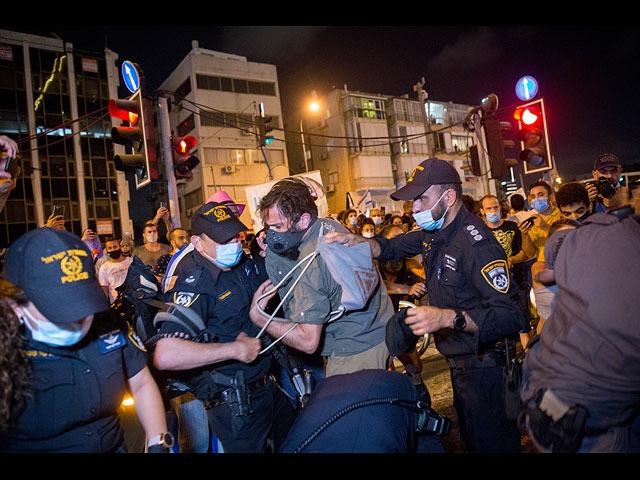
[
  {"x": 233, "y": 391},
  {"x": 555, "y": 426}
]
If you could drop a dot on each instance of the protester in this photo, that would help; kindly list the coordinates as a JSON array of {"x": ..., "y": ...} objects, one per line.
[
  {"x": 9, "y": 150},
  {"x": 113, "y": 272},
  {"x": 81, "y": 356},
  {"x": 178, "y": 238},
  {"x": 151, "y": 250},
  {"x": 367, "y": 228},
  {"x": 573, "y": 201},
  {"x": 351, "y": 341}
]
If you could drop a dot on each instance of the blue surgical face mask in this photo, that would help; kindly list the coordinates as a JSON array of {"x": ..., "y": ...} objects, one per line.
[
  {"x": 493, "y": 217},
  {"x": 539, "y": 204},
  {"x": 229, "y": 254},
  {"x": 56, "y": 335},
  {"x": 425, "y": 220}
]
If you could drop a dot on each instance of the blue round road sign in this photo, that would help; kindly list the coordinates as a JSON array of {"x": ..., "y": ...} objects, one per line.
[
  {"x": 130, "y": 76},
  {"x": 526, "y": 88}
]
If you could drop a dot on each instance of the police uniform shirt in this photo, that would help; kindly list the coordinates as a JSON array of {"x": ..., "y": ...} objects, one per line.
[
  {"x": 77, "y": 391},
  {"x": 222, "y": 299},
  {"x": 466, "y": 269}
]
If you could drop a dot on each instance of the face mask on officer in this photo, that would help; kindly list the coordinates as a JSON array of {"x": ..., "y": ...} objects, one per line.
[
  {"x": 425, "y": 220},
  {"x": 227, "y": 254},
  {"x": 63, "y": 335}
]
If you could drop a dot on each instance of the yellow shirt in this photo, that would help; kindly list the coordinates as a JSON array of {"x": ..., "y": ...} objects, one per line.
[{"x": 539, "y": 236}]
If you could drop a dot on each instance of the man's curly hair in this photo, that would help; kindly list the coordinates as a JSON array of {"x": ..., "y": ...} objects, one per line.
[
  {"x": 15, "y": 370},
  {"x": 292, "y": 198}
]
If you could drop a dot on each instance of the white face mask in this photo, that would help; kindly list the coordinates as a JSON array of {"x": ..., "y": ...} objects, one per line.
[
  {"x": 152, "y": 238},
  {"x": 57, "y": 335},
  {"x": 367, "y": 234}
]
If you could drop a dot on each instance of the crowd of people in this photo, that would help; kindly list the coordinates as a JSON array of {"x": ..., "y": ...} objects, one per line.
[{"x": 268, "y": 341}]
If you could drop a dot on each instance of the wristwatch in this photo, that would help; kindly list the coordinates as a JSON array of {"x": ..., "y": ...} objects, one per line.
[
  {"x": 163, "y": 439},
  {"x": 459, "y": 323}
]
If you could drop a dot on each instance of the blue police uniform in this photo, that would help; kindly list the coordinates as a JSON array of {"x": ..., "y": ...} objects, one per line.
[
  {"x": 222, "y": 299},
  {"x": 77, "y": 391},
  {"x": 466, "y": 270}
]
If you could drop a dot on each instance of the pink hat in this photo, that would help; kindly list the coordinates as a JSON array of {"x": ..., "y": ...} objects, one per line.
[{"x": 223, "y": 197}]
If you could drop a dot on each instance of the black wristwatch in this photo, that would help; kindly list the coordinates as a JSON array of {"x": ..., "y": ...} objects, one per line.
[
  {"x": 158, "y": 443},
  {"x": 459, "y": 323}
]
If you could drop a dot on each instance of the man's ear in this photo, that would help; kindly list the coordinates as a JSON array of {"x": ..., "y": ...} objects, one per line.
[{"x": 305, "y": 220}]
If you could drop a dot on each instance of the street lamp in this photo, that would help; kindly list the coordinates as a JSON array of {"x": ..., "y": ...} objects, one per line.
[{"x": 314, "y": 106}]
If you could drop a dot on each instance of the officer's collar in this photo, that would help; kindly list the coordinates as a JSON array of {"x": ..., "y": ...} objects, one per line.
[{"x": 449, "y": 231}]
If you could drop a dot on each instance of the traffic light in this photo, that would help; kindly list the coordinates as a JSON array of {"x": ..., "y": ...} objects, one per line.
[
  {"x": 183, "y": 161},
  {"x": 496, "y": 146},
  {"x": 262, "y": 123},
  {"x": 533, "y": 135},
  {"x": 132, "y": 137}
]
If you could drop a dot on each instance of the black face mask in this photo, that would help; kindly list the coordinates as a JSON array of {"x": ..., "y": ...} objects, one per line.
[
  {"x": 284, "y": 243},
  {"x": 115, "y": 253}
]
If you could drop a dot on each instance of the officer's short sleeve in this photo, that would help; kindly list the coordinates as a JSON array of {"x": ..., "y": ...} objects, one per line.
[
  {"x": 186, "y": 293},
  {"x": 135, "y": 353}
]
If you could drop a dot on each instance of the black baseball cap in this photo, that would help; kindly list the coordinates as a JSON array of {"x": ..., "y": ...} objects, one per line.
[
  {"x": 55, "y": 270},
  {"x": 217, "y": 221},
  {"x": 606, "y": 160},
  {"x": 432, "y": 171}
]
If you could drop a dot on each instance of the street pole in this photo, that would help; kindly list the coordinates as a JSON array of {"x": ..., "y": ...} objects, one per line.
[{"x": 167, "y": 153}]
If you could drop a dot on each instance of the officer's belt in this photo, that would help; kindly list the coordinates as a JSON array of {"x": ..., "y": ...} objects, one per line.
[{"x": 472, "y": 361}]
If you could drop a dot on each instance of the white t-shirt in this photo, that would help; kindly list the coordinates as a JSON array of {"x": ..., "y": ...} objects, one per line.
[{"x": 113, "y": 274}]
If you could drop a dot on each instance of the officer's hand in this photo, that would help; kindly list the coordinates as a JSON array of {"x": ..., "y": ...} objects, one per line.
[
  {"x": 348, "y": 239},
  {"x": 247, "y": 349},
  {"x": 427, "y": 319}
]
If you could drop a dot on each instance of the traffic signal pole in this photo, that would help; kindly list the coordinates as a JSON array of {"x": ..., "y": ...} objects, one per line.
[{"x": 167, "y": 154}]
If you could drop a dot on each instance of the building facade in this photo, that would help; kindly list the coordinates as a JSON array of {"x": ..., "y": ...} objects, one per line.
[
  {"x": 53, "y": 102},
  {"x": 371, "y": 143},
  {"x": 215, "y": 97}
]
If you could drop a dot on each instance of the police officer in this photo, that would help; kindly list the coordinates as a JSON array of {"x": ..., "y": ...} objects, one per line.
[
  {"x": 82, "y": 358},
  {"x": 221, "y": 363},
  {"x": 472, "y": 300}
]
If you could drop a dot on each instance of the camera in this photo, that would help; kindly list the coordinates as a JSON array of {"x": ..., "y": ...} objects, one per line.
[{"x": 606, "y": 188}]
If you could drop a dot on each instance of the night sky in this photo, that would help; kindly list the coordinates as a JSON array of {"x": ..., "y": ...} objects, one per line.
[{"x": 587, "y": 74}]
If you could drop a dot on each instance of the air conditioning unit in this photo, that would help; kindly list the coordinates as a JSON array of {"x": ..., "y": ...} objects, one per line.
[
  {"x": 229, "y": 168},
  {"x": 330, "y": 188}
]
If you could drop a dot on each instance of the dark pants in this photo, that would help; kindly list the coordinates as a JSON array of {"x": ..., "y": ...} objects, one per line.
[
  {"x": 271, "y": 417},
  {"x": 480, "y": 407}
]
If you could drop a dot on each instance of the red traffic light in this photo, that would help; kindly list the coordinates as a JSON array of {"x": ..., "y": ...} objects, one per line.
[
  {"x": 527, "y": 115},
  {"x": 125, "y": 110},
  {"x": 184, "y": 145}
]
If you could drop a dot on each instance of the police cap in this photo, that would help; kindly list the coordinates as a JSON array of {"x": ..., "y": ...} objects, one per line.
[
  {"x": 55, "y": 270},
  {"x": 217, "y": 221},
  {"x": 432, "y": 171}
]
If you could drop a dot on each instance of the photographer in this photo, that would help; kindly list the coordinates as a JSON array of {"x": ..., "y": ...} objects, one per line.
[{"x": 606, "y": 172}]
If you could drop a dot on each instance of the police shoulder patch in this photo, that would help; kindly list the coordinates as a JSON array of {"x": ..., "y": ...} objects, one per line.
[
  {"x": 185, "y": 299},
  {"x": 135, "y": 339},
  {"x": 496, "y": 274},
  {"x": 474, "y": 234}
]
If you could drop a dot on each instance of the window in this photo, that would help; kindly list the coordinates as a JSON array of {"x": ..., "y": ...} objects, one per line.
[{"x": 237, "y": 85}]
